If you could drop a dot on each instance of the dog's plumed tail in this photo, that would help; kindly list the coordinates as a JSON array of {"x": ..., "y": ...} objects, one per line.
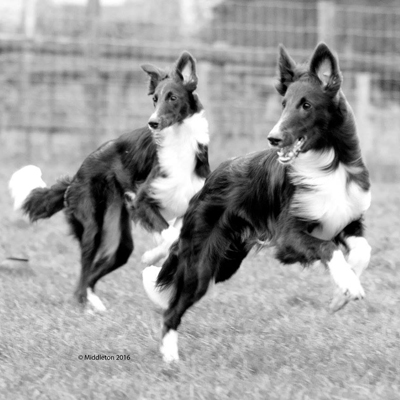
[
  {"x": 159, "y": 282},
  {"x": 45, "y": 202},
  {"x": 31, "y": 195}
]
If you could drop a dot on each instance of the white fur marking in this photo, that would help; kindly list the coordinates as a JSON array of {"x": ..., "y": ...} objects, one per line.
[
  {"x": 95, "y": 301},
  {"x": 111, "y": 234},
  {"x": 176, "y": 155},
  {"x": 153, "y": 116},
  {"x": 169, "y": 346},
  {"x": 22, "y": 182},
  {"x": 154, "y": 255},
  {"x": 159, "y": 297},
  {"x": 359, "y": 254},
  {"x": 276, "y": 130},
  {"x": 168, "y": 236},
  {"x": 344, "y": 277},
  {"x": 331, "y": 200}
]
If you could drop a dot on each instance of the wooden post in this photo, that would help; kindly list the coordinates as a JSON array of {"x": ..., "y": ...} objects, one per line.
[
  {"x": 28, "y": 28},
  {"x": 326, "y": 21},
  {"x": 189, "y": 21},
  {"x": 362, "y": 111},
  {"x": 204, "y": 70},
  {"x": 93, "y": 83}
]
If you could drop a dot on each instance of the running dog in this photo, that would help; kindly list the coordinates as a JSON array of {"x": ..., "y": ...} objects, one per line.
[
  {"x": 156, "y": 169},
  {"x": 305, "y": 196}
]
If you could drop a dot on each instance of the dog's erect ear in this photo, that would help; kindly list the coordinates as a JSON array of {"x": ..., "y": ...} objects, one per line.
[
  {"x": 185, "y": 71},
  {"x": 156, "y": 75},
  {"x": 286, "y": 71},
  {"x": 325, "y": 66}
]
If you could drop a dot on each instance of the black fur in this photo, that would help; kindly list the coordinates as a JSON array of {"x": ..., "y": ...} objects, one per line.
[
  {"x": 202, "y": 167},
  {"x": 247, "y": 201},
  {"x": 54, "y": 203}
]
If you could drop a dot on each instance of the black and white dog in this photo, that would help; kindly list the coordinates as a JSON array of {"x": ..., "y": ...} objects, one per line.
[
  {"x": 306, "y": 197},
  {"x": 156, "y": 169}
]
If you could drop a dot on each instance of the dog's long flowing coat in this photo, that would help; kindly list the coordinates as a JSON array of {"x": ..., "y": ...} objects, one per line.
[
  {"x": 160, "y": 167},
  {"x": 306, "y": 196}
]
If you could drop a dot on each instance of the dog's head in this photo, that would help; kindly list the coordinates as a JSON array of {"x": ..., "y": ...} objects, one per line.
[
  {"x": 172, "y": 92},
  {"x": 310, "y": 98}
]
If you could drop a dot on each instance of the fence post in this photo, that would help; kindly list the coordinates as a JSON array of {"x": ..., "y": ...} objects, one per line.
[
  {"x": 326, "y": 21},
  {"x": 362, "y": 110},
  {"x": 28, "y": 27},
  {"x": 93, "y": 9},
  {"x": 204, "y": 69}
]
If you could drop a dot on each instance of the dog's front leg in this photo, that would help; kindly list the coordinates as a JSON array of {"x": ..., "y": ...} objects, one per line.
[{"x": 300, "y": 246}]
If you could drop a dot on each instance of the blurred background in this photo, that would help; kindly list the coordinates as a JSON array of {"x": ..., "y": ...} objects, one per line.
[{"x": 70, "y": 69}]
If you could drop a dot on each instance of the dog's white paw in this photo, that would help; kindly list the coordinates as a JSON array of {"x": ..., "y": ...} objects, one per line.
[
  {"x": 95, "y": 302},
  {"x": 153, "y": 256},
  {"x": 169, "y": 346},
  {"x": 168, "y": 237},
  {"x": 349, "y": 286},
  {"x": 344, "y": 276}
]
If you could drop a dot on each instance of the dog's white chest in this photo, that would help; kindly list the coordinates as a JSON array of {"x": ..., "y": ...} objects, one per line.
[
  {"x": 177, "y": 157},
  {"x": 326, "y": 196}
]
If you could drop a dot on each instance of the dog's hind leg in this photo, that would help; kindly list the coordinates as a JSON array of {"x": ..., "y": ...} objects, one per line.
[
  {"x": 88, "y": 235},
  {"x": 211, "y": 262},
  {"x": 193, "y": 286},
  {"x": 190, "y": 294},
  {"x": 114, "y": 251}
]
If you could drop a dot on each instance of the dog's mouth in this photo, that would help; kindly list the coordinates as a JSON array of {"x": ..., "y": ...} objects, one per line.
[
  {"x": 157, "y": 135},
  {"x": 287, "y": 154},
  {"x": 155, "y": 131}
]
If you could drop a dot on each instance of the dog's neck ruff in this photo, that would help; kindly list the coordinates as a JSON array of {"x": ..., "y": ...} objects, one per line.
[
  {"x": 325, "y": 194},
  {"x": 177, "y": 151},
  {"x": 194, "y": 128}
]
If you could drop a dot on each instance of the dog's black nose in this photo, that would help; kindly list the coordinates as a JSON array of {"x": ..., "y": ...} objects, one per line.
[
  {"x": 153, "y": 124},
  {"x": 274, "y": 141}
]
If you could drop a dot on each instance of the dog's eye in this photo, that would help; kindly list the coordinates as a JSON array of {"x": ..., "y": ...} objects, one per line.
[
  {"x": 306, "y": 106},
  {"x": 155, "y": 99},
  {"x": 173, "y": 98},
  {"x": 283, "y": 104}
]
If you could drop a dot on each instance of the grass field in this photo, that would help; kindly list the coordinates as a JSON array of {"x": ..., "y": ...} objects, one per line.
[{"x": 265, "y": 334}]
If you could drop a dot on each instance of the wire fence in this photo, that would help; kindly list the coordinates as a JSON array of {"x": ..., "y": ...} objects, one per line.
[{"x": 71, "y": 69}]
